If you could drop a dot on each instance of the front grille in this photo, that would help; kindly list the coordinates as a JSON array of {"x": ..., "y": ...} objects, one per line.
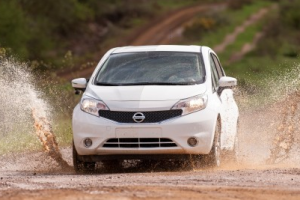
[
  {"x": 139, "y": 143},
  {"x": 150, "y": 117}
]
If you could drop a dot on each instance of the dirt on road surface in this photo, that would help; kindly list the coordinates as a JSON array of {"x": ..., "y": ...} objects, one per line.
[
  {"x": 37, "y": 176},
  {"x": 160, "y": 31},
  {"x": 228, "y": 182}
]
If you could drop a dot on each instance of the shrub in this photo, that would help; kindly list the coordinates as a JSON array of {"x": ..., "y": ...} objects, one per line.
[
  {"x": 203, "y": 25},
  {"x": 13, "y": 30},
  {"x": 290, "y": 15}
]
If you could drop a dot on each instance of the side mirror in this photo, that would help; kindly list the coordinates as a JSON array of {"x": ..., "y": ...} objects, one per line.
[
  {"x": 79, "y": 84},
  {"x": 227, "y": 82}
]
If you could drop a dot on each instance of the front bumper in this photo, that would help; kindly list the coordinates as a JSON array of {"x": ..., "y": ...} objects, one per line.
[{"x": 200, "y": 125}]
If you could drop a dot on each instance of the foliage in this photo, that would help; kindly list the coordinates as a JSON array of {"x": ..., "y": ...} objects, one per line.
[
  {"x": 281, "y": 32},
  {"x": 43, "y": 31},
  {"x": 290, "y": 15},
  {"x": 204, "y": 25},
  {"x": 238, "y": 4},
  {"x": 13, "y": 30}
]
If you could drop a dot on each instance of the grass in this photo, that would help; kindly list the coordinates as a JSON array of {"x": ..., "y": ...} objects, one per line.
[
  {"x": 16, "y": 141},
  {"x": 20, "y": 140},
  {"x": 63, "y": 131},
  {"x": 254, "y": 68},
  {"x": 263, "y": 79},
  {"x": 235, "y": 19},
  {"x": 174, "y": 4},
  {"x": 243, "y": 38}
]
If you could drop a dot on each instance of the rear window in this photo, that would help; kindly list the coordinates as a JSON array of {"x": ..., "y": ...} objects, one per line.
[{"x": 152, "y": 68}]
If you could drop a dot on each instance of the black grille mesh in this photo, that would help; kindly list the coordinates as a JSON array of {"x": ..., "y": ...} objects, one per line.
[
  {"x": 139, "y": 143},
  {"x": 150, "y": 117}
]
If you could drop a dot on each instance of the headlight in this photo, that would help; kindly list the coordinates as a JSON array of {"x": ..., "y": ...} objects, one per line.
[
  {"x": 191, "y": 105},
  {"x": 92, "y": 106}
]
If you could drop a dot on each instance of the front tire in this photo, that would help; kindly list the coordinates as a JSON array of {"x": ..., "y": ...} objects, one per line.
[
  {"x": 213, "y": 159},
  {"x": 80, "y": 166}
]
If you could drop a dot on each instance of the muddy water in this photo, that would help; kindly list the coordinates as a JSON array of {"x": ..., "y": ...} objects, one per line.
[
  {"x": 24, "y": 111},
  {"x": 287, "y": 131},
  {"x": 270, "y": 116}
]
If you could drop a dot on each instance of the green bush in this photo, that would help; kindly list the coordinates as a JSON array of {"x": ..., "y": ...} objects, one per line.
[
  {"x": 280, "y": 33},
  {"x": 204, "y": 24},
  {"x": 14, "y": 33},
  {"x": 290, "y": 15}
]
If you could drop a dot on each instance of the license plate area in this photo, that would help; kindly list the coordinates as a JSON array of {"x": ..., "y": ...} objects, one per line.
[{"x": 138, "y": 132}]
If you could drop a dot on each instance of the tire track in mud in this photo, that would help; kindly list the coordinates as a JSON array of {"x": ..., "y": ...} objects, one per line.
[
  {"x": 209, "y": 184},
  {"x": 230, "y": 38},
  {"x": 159, "y": 34},
  {"x": 248, "y": 47}
]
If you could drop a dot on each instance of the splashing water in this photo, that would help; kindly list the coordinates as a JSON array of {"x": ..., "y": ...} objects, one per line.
[
  {"x": 21, "y": 106},
  {"x": 270, "y": 120}
]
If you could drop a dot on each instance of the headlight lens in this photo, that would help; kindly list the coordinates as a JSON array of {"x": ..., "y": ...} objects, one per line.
[
  {"x": 93, "y": 106},
  {"x": 191, "y": 105}
]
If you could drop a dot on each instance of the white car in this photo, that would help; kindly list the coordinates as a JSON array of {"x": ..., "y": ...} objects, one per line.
[{"x": 154, "y": 102}]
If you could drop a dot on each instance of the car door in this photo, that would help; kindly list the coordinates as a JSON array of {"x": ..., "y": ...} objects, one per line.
[
  {"x": 216, "y": 100},
  {"x": 229, "y": 109}
]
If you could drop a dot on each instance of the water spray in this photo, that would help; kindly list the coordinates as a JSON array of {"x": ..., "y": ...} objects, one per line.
[
  {"x": 285, "y": 135},
  {"x": 22, "y": 105},
  {"x": 46, "y": 136}
]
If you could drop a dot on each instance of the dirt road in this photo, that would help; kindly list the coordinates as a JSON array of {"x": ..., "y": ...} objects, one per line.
[
  {"x": 160, "y": 31},
  {"x": 225, "y": 183},
  {"x": 36, "y": 176}
]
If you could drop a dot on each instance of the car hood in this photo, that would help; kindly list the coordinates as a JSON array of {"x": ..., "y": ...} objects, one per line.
[{"x": 144, "y": 93}]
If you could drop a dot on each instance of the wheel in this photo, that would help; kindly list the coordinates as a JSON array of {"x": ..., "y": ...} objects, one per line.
[
  {"x": 80, "y": 166},
  {"x": 213, "y": 159}
]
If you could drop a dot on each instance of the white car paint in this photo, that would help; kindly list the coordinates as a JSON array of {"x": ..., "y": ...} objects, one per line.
[{"x": 200, "y": 124}]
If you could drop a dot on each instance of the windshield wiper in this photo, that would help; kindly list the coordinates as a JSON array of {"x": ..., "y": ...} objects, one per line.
[
  {"x": 141, "y": 83},
  {"x": 154, "y": 83},
  {"x": 106, "y": 84}
]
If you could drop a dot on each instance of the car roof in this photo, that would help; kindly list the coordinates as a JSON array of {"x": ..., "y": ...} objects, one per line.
[{"x": 174, "y": 48}]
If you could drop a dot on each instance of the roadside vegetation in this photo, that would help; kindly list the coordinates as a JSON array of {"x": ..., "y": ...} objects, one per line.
[
  {"x": 272, "y": 67},
  {"x": 54, "y": 35},
  {"x": 210, "y": 28}
]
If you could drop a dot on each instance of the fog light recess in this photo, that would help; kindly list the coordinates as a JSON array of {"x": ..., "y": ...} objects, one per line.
[
  {"x": 192, "y": 141},
  {"x": 87, "y": 142}
]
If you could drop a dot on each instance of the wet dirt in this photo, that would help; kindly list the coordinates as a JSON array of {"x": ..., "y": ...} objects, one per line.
[
  {"x": 37, "y": 176},
  {"x": 44, "y": 131},
  {"x": 229, "y": 182}
]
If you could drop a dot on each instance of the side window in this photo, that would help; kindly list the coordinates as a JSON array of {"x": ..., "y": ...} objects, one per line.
[
  {"x": 218, "y": 65},
  {"x": 214, "y": 73}
]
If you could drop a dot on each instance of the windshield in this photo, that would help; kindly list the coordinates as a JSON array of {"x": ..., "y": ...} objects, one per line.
[{"x": 152, "y": 68}]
